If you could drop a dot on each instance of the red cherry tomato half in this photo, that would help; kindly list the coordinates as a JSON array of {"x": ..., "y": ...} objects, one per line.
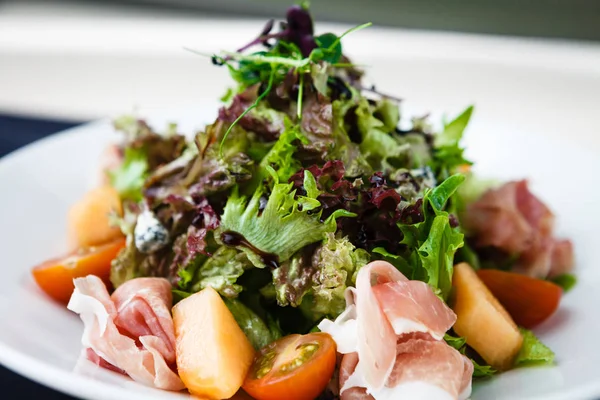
[
  {"x": 529, "y": 301},
  {"x": 296, "y": 367},
  {"x": 55, "y": 276}
]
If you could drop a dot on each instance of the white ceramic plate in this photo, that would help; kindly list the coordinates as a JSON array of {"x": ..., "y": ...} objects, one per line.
[{"x": 532, "y": 121}]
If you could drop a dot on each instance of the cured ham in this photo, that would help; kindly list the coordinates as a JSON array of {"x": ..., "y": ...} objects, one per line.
[
  {"x": 515, "y": 221},
  {"x": 375, "y": 332},
  {"x": 563, "y": 259},
  {"x": 398, "y": 351},
  {"x": 411, "y": 306},
  {"x": 132, "y": 330},
  {"x": 421, "y": 359}
]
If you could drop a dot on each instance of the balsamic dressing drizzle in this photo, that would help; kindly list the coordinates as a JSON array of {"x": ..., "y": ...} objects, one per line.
[{"x": 233, "y": 239}]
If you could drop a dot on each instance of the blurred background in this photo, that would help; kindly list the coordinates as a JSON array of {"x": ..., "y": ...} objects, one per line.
[
  {"x": 63, "y": 63},
  {"x": 79, "y": 60}
]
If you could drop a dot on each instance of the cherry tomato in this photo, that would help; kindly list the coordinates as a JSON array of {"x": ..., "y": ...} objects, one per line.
[
  {"x": 55, "y": 276},
  {"x": 296, "y": 367},
  {"x": 529, "y": 301}
]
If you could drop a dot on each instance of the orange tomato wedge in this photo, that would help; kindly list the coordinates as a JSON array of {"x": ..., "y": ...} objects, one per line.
[
  {"x": 529, "y": 301},
  {"x": 55, "y": 276},
  {"x": 296, "y": 367}
]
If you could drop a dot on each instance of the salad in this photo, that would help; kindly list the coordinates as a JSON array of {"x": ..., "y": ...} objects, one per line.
[{"x": 311, "y": 243}]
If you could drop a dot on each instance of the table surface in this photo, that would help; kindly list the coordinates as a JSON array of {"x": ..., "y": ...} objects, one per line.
[{"x": 16, "y": 132}]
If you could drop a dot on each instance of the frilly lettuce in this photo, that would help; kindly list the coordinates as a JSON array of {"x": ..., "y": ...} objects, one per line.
[
  {"x": 315, "y": 281},
  {"x": 336, "y": 263},
  {"x": 432, "y": 243},
  {"x": 281, "y": 156},
  {"x": 293, "y": 279},
  {"x": 220, "y": 271},
  {"x": 345, "y": 150},
  {"x": 284, "y": 226}
]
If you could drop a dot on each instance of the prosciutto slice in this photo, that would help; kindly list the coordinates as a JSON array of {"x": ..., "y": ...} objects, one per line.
[
  {"x": 515, "y": 221},
  {"x": 398, "y": 352},
  {"x": 411, "y": 306},
  {"x": 132, "y": 330}
]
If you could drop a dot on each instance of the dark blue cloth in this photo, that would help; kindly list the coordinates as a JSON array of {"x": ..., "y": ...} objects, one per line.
[{"x": 16, "y": 132}]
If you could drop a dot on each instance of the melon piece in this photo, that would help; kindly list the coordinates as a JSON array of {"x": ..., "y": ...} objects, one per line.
[
  {"x": 482, "y": 320},
  {"x": 213, "y": 354},
  {"x": 89, "y": 223}
]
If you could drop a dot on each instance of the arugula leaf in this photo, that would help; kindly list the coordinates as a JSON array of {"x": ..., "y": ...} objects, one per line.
[
  {"x": 282, "y": 228},
  {"x": 457, "y": 342},
  {"x": 566, "y": 281},
  {"x": 533, "y": 351},
  {"x": 128, "y": 178},
  {"x": 460, "y": 344},
  {"x": 330, "y": 46},
  {"x": 482, "y": 371},
  {"x": 448, "y": 154},
  {"x": 437, "y": 254},
  {"x": 439, "y": 196},
  {"x": 453, "y": 131},
  {"x": 256, "y": 330}
]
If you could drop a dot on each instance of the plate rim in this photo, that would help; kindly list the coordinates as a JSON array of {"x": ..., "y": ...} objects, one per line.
[{"x": 83, "y": 386}]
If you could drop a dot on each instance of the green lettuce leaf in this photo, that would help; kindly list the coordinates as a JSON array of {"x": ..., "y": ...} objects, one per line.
[
  {"x": 383, "y": 151},
  {"x": 397, "y": 261},
  {"x": 448, "y": 154},
  {"x": 468, "y": 255},
  {"x": 256, "y": 330},
  {"x": 389, "y": 113},
  {"x": 281, "y": 156},
  {"x": 482, "y": 371},
  {"x": 128, "y": 178},
  {"x": 533, "y": 351},
  {"x": 283, "y": 227},
  {"x": 292, "y": 280},
  {"x": 439, "y": 196},
  {"x": 345, "y": 149},
  {"x": 315, "y": 280},
  {"x": 437, "y": 254},
  {"x": 209, "y": 173},
  {"x": 336, "y": 263},
  {"x": 126, "y": 265},
  {"x": 460, "y": 344},
  {"x": 453, "y": 131},
  {"x": 220, "y": 271},
  {"x": 470, "y": 191},
  {"x": 566, "y": 281},
  {"x": 433, "y": 243}
]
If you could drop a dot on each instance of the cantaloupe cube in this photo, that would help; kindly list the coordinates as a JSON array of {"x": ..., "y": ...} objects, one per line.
[
  {"x": 213, "y": 354},
  {"x": 88, "y": 221},
  {"x": 485, "y": 324}
]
